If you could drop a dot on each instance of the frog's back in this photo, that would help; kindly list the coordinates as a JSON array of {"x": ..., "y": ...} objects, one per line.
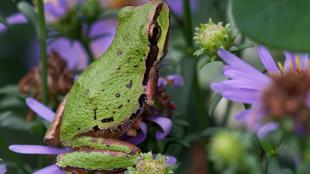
[{"x": 110, "y": 91}]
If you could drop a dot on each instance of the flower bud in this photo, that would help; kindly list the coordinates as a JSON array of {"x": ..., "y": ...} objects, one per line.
[
  {"x": 226, "y": 149},
  {"x": 211, "y": 37},
  {"x": 148, "y": 164}
]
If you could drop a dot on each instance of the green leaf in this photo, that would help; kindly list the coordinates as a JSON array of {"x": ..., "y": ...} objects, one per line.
[
  {"x": 215, "y": 100},
  {"x": 29, "y": 12},
  {"x": 280, "y": 24},
  {"x": 11, "y": 102},
  {"x": 9, "y": 90},
  {"x": 10, "y": 121}
]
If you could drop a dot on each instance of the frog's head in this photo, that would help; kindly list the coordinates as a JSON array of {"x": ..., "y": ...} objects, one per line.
[{"x": 151, "y": 20}]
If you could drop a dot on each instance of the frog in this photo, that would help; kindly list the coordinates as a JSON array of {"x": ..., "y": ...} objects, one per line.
[{"x": 112, "y": 93}]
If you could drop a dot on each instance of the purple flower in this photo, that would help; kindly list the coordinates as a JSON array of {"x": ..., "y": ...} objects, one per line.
[
  {"x": 266, "y": 129},
  {"x": 177, "y": 6},
  {"x": 165, "y": 124},
  {"x": 12, "y": 20},
  {"x": 171, "y": 160},
  {"x": 55, "y": 9},
  {"x": 248, "y": 85},
  {"x": 175, "y": 80},
  {"x": 101, "y": 33},
  {"x": 36, "y": 149},
  {"x": 2, "y": 169}
]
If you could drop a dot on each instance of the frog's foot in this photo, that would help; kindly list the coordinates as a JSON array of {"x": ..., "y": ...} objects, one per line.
[{"x": 96, "y": 161}]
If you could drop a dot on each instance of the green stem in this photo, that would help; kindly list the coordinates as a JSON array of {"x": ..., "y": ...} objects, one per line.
[
  {"x": 227, "y": 113},
  {"x": 195, "y": 82},
  {"x": 188, "y": 23},
  {"x": 200, "y": 102},
  {"x": 87, "y": 48},
  {"x": 43, "y": 54}
]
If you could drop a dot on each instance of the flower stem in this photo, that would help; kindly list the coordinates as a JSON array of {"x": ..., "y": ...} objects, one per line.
[
  {"x": 195, "y": 81},
  {"x": 188, "y": 23},
  {"x": 90, "y": 54},
  {"x": 43, "y": 54}
]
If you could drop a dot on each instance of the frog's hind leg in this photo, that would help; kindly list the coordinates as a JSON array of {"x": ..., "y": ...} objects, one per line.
[
  {"x": 98, "y": 154},
  {"x": 88, "y": 161}
]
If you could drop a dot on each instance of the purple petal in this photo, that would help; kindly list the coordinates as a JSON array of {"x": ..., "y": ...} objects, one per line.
[
  {"x": 239, "y": 95},
  {"x": 71, "y": 51},
  {"x": 37, "y": 149},
  {"x": 266, "y": 129},
  {"x": 242, "y": 84},
  {"x": 171, "y": 160},
  {"x": 104, "y": 32},
  {"x": 161, "y": 82},
  {"x": 246, "y": 77},
  {"x": 52, "y": 169},
  {"x": 241, "y": 116},
  {"x": 237, "y": 63},
  {"x": 289, "y": 61},
  {"x": 165, "y": 124},
  {"x": 304, "y": 58},
  {"x": 17, "y": 18},
  {"x": 3, "y": 169},
  {"x": 176, "y": 79},
  {"x": 267, "y": 59},
  {"x": 177, "y": 6},
  {"x": 242, "y": 95},
  {"x": 52, "y": 10},
  {"x": 140, "y": 137},
  {"x": 40, "y": 109}
]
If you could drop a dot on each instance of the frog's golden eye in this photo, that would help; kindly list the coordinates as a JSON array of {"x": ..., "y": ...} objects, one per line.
[{"x": 154, "y": 32}]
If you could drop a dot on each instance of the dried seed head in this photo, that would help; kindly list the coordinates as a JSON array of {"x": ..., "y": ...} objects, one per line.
[
  {"x": 287, "y": 96},
  {"x": 60, "y": 79}
]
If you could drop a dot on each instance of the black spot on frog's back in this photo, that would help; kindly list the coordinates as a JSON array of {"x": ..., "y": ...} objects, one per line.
[
  {"x": 129, "y": 84},
  {"x": 119, "y": 52},
  {"x": 96, "y": 128},
  {"x": 117, "y": 95},
  {"x": 107, "y": 120}
]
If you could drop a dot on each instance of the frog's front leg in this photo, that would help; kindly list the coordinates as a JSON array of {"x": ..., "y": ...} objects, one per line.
[
  {"x": 151, "y": 88},
  {"x": 98, "y": 154}
]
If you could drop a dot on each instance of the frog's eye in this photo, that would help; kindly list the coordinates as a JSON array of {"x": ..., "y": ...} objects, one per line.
[{"x": 154, "y": 32}]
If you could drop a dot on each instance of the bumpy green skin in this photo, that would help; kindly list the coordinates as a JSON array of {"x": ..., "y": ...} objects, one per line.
[
  {"x": 98, "y": 143},
  {"x": 110, "y": 88},
  {"x": 103, "y": 86},
  {"x": 96, "y": 160}
]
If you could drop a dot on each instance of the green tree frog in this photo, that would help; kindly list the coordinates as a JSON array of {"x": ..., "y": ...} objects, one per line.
[{"x": 112, "y": 93}]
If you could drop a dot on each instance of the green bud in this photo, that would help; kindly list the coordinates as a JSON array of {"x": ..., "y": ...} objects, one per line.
[
  {"x": 210, "y": 37},
  {"x": 226, "y": 149},
  {"x": 148, "y": 164}
]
